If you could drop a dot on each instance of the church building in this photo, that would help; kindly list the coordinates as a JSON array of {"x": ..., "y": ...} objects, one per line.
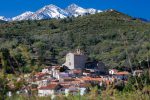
[{"x": 75, "y": 60}]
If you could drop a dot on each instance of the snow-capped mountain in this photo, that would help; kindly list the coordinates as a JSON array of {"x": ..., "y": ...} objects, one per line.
[
  {"x": 23, "y": 16},
  {"x": 49, "y": 11},
  {"x": 52, "y": 11},
  {"x": 4, "y": 18},
  {"x": 75, "y": 10}
]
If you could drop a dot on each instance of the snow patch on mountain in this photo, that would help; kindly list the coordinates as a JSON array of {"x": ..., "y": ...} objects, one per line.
[
  {"x": 23, "y": 16},
  {"x": 4, "y": 18}
]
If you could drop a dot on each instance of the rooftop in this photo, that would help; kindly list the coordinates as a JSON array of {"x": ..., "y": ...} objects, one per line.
[{"x": 50, "y": 86}]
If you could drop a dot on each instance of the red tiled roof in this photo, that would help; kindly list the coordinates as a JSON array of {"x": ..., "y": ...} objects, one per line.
[
  {"x": 50, "y": 86},
  {"x": 91, "y": 79},
  {"x": 77, "y": 71},
  {"x": 39, "y": 74},
  {"x": 122, "y": 73}
]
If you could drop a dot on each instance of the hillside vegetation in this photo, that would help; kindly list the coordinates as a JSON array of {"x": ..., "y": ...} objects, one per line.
[
  {"x": 1, "y": 21},
  {"x": 110, "y": 36}
]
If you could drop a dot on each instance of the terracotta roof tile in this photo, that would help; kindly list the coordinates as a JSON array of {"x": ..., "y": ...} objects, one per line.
[
  {"x": 122, "y": 73},
  {"x": 50, "y": 86}
]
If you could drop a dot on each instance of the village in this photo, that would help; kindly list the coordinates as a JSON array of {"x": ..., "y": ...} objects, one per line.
[{"x": 75, "y": 76}]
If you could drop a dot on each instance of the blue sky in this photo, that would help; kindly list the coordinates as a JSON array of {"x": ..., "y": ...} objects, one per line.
[{"x": 136, "y": 8}]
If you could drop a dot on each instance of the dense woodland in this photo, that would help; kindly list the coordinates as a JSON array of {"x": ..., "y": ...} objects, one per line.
[{"x": 111, "y": 37}]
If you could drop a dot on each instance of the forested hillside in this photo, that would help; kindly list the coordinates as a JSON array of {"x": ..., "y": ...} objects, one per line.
[
  {"x": 1, "y": 21},
  {"x": 110, "y": 36}
]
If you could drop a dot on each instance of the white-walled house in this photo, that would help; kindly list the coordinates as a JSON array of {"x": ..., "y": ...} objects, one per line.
[
  {"x": 46, "y": 70},
  {"x": 82, "y": 91},
  {"x": 49, "y": 90},
  {"x": 55, "y": 72},
  {"x": 42, "y": 83},
  {"x": 74, "y": 90}
]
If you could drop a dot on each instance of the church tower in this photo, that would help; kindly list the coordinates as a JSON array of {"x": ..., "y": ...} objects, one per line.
[{"x": 75, "y": 60}]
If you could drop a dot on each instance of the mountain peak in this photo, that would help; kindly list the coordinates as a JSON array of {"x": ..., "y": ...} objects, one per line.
[
  {"x": 4, "y": 18},
  {"x": 28, "y": 12},
  {"x": 23, "y": 16},
  {"x": 73, "y": 5},
  {"x": 48, "y": 12},
  {"x": 75, "y": 10},
  {"x": 50, "y": 6},
  {"x": 53, "y": 11}
]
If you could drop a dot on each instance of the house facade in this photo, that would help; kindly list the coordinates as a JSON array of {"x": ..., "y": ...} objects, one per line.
[{"x": 49, "y": 90}]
